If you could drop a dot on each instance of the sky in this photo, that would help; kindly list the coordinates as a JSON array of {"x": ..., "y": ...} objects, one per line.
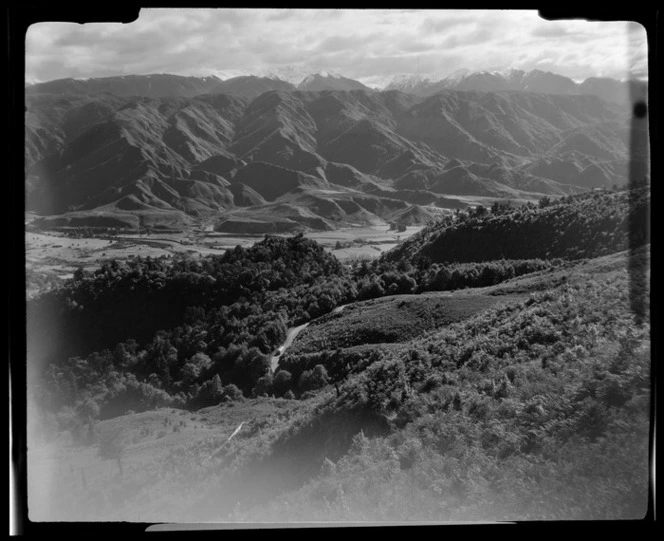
[{"x": 371, "y": 46}]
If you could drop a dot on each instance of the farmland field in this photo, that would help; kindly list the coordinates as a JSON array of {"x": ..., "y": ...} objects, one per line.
[{"x": 53, "y": 256}]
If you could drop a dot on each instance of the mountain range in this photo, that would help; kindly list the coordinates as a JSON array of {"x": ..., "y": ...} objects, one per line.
[
  {"x": 162, "y": 85},
  {"x": 250, "y": 85},
  {"x": 515, "y": 79},
  {"x": 261, "y": 154}
]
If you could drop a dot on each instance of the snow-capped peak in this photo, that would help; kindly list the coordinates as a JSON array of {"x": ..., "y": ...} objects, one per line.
[
  {"x": 311, "y": 77},
  {"x": 404, "y": 81},
  {"x": 297, "y": 76},
  {"x": 330, "y": 74},
  {"x": 506, "y": 73},
  {"x": 324, "y": 74},
  {"x": 406, "y": 77},
  {"x": 458, "y": 75},
  {"x": 230, "y": 74},
  {"x": 289, "y": 74}
]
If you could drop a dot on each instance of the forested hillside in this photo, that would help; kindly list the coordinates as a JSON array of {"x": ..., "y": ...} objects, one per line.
[
  {"x": 573, "y": 227},
  {"x": 176, "y": 323}
]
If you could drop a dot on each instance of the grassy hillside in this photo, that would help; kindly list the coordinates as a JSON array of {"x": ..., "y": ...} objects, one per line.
[
  {"x": 536, "y": 410},
  {"x": 391, "y": 319}
]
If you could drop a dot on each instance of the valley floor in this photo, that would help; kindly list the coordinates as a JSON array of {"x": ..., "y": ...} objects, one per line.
[{"x": 53, "y": 256}]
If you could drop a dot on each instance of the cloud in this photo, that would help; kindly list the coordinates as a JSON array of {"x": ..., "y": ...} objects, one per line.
[
  {"x": 445, "y": 21},
  {"x": 550, "y": 31},
  {"x": 280, "y": 15},
  {"x": 416, "y": 46},
  {"x": 478, "y": 36},
  {"x": 358, "y": 43},
  {"x": 340, "y": 43}
]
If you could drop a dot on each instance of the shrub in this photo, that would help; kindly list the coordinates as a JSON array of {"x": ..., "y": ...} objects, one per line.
[
  {"x": 232, "y": 392},
  {"x": 313, "y": 379},
  {"x": 264, "y": 385},
  {"x": 282, "y": 382},
  {"x": 195, "y": 367},
  {"x": 210, "y": 393}
]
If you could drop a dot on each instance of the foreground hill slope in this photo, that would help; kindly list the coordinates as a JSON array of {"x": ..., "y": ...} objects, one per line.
[
  {"x": 531, "y": 409},
  {"x": 527, "y": 411}
]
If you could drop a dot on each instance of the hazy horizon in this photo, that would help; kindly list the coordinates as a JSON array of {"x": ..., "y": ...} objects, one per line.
[{"x": 371, "y": 46}]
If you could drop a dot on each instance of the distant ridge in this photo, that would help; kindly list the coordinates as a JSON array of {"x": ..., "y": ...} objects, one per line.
[
  {"x": 164, "y": 85},
  {"x": 514, "y": 79},
  {"x": 251, "y": 85}
]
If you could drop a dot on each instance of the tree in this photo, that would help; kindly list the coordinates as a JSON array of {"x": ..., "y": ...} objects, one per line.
[
  {"x": 311, "y": 380},
  {"x": 79, "y": 274},
  {"x": 371, "y": 290},
  {"x": 313, "y": 309},
  {"x": 231, "y": 392},
  {"x": 211, "y": 392},
  {"x": 406, "y": 284},
  {"x": 326, "y": 303},
  {"x": 500, "y": 207},
  {"x": 319, "y": 377},
  {"x": 89, "y": 410},
  {"x": 442, "y": 279},
  {"x": 195, "y": 367},
  {"x": 403, "y": 265},
  {"x": 544, "y": 202},
  {"x": 264, "y": 385},
  {"x": 282, "y": 382},
  {"x": 255, "y": 365}
]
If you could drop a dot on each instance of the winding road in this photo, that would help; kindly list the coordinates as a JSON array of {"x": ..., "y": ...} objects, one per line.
[{"x": 292, "y": 333}]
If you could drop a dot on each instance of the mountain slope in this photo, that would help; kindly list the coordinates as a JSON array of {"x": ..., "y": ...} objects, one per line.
[
  {"x": 329, "y": 81},
  {"x": 251, "y": 86},
  {"x": 144, "y": 148},
  {"x": 196, "y": 154}
]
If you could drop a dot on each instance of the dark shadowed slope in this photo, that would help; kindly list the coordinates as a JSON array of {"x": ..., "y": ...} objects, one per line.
[{"x": 582, "y": 226}]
